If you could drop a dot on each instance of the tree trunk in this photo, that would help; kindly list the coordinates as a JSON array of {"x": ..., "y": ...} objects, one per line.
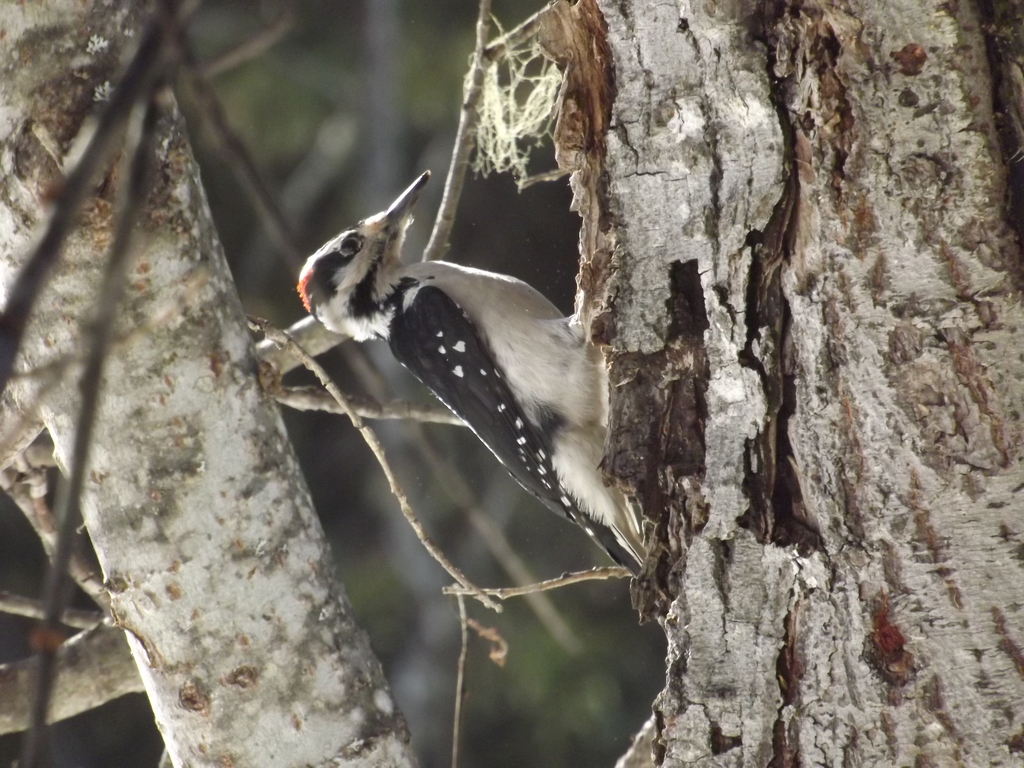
[
  {"x": 198, "y": 511},
  {"x": 798, "y": 255}
]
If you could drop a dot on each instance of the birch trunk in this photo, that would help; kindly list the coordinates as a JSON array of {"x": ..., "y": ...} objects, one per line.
[
  {"x": 797, "y": 252},
  {"x": 200, "y": 516}
]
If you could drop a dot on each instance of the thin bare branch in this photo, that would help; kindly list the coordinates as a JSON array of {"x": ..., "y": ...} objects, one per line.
[
  {"x": 538, "y": 178},
  {"x": 69, "y": 492},
  {"x": 251, "y": 48},
  {"x": 137, "y": 79},
  {"x": 309, "y": 333},
  {"x": 274, "y": 220},
  {"x": 318, "y": 399},
  {"x": 452, "y": 482},
  {"x": 438, "y": 244},
  {"x": 93, "y": 667},
  {"x": 514, "y": 37},
  {"x": 249, "y": 178},
  {"x": 610, "y": 572},
  {"x": 460, "y": 682},
  {"x": 370, "y": 437},
  {"x": 28, "y": 491},
  {"x": 18, "y": 435},
  {"x": 16, "y": 605}
]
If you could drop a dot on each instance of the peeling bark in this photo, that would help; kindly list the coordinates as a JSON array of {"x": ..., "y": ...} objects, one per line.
[
  {"x": 201, "y": 519},
  {"x": 798, "y": 251}
]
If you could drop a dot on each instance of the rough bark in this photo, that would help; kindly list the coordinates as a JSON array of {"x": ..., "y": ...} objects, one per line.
[
  {"x": 199, "y": 514},
  {"x": 796, "y": 252}
]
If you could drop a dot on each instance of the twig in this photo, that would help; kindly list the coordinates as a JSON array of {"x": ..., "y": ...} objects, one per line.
[
  {"x": 370, "y": 437},
  {"x": 250, "y": 48},
  {"x": 611, "y": 572},
  {"x": 246, "y": 173},
  {"x": 29, "y": 493},
  {"x": 20, "y": 436},
  {"x": 464, "y": 142},
  {"x": 460, "y": 682},
  {"x": 309, "y": 333},
  {"x": 138, "y": 78},
  {"x": 538, "y": 178},
  {"x": 453, "y": 483},
  {"x": 69, "y": 492},
  {"x": 497, "y": 48},
  {"x": 317, "y": 399},
  {"x": 16, "y": 605}
]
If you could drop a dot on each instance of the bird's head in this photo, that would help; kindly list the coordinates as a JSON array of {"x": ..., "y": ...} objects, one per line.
[{"x": 346, "y": 281}]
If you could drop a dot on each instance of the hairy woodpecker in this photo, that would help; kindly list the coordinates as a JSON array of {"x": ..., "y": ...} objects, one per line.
[{"x": 492, "y": 349}]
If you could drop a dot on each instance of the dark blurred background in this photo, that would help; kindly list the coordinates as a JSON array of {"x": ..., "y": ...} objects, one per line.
[{"x": 353, "y": 101}]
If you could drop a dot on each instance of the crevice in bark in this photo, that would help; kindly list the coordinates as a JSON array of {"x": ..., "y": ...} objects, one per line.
[
  {"x": 788, "y": 671},
  {"x": 1003, "y": 30},
  {"x": 720, "y": 743},
  {"x": 935, "y": 702},
  {"x": 772, "y": 481},
  {"x": 657, "y": 435}
]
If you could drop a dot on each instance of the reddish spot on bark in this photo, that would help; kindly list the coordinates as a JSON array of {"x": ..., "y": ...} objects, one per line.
[
  {"x": 244, "y": 676},
  {"x": 217, "y": 361},
  {"x": 911, "y": 58},
  {"x": 892, "y": 659},
  {"x": 296, "y": 723},
  {"x": 1006, "y": 643},
  {"x": 1016, "y": 742},
  {"x": 173, "y": 591},
  {"x": 51, "y": 192},
  {"x": 45, "y": 639},
  {"x": 192, "y": 697}
]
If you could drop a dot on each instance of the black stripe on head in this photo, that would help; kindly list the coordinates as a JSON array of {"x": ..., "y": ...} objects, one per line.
[
  {"x": 320, "y": 285},
  {"x": 363, "y": 302}
]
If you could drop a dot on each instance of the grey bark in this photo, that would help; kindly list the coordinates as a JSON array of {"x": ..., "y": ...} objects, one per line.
[
  {"x": 796, "y": 252},
  {"x": 200, "y": 516}
]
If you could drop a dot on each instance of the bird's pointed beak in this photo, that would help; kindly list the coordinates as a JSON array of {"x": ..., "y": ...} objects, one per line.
[{"x": 401, "y": 208}]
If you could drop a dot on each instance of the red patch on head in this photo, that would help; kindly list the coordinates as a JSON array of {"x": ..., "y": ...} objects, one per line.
[{"x": 301, "y": 288}]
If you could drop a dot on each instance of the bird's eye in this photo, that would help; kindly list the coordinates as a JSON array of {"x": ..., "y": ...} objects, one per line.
[{"x": 350, "y": 246}]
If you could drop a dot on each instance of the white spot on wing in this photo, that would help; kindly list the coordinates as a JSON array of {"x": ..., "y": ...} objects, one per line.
[
  {"x": 441, "y": 349},
  {"x": 521, "y": 441},
  {"x": 457, "y": 370},
  {"x": 519, "y": 423},
  {"x": 460, "y": 346},
  {"x": 440, "y": 334},
  {"x": 501, "y": 407},
  {"x": 483, "y": 372}
]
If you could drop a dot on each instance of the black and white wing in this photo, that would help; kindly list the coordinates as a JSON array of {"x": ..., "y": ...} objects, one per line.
[{"x": 437, "y": 342}]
